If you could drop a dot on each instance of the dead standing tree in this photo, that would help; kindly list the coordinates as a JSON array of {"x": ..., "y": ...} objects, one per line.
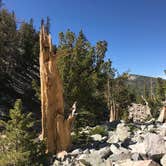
[
  {"x": 112, "y": 106},
  {"x": 55, "y": 129}
]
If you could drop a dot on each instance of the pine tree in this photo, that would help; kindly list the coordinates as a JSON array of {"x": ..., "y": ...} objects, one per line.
[
  {"x": 161, "y": 89},
  {"x": 83, "y": 74},
  {"x": 17, "y": 143}
]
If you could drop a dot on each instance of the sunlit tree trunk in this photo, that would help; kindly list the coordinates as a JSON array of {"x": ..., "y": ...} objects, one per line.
[
  {"x": 114, "y": 112},
  {"x": 55, "y": 129}
]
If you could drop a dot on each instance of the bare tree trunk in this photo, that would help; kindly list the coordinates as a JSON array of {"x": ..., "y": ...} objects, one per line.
[
  {"x": 114, "y": 112},
  {"x": 111, "y": 114},
  {"x": 55, "y": 129}
]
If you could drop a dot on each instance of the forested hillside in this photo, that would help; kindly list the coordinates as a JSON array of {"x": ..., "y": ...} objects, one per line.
[
  {"x": 19, "y": 49},
  {"x": 150, "y": 87}
]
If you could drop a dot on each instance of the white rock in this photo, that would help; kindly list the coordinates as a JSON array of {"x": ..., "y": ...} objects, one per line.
[
  {"x": 56, "y": 163},
  {"x": 122, "y": 131},
  {"x": 114, "y": 149},
  {"x": 76, "y": 151},
  {"x": 143, "y": 127},
  {"x": 139, "y": 112},
  {"x": 163, "y": 160},
  {"x": 162, "y": 130},
  {"x": 61, "y": 154},
  {"x": 94, "y": 159},
  {"x": 113, "y": 138},
  {"x": 154, "y": 144},
  {"x": 96, "y": 137},
  {"x": 138, "y": 148},
  {"x": 136, "y": 163},
  {"x": 118, "y": 150},
  {"x": 104, "y": 152},
  {"x": 150, "y": 127}
]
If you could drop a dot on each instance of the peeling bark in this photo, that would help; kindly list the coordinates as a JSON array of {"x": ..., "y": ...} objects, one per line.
[{"x": 55, "y": 129}]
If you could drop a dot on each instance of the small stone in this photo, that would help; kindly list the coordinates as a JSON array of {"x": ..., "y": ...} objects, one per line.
[
  {"x": 143, "y": 127},
  {"x": 61, "y": 155},
  {"x": 76, "y": 151},
  {"x": 150, "y": 127},
  {"x": 56, "y": 163},
  {"x": 96, "y": 137},
  {"x": 86, "y": 151}
]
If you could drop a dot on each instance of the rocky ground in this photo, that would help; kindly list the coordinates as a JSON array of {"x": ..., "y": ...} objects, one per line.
[{"x": 121, "y": 145}]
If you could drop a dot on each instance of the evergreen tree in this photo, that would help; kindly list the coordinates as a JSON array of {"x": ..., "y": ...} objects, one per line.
[
  {"x": 161, "y": 89},
  {"x": 17, "y": 143},
  {"x": 9, "y": 41},
  {"x": 82, "y": 69}
]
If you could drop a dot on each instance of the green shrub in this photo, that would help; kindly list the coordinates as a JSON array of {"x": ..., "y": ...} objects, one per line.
[
  {"x": 81, "y": 139},
  {"x": 99, "y": 130},
  {"x": 132, "y": 128}
]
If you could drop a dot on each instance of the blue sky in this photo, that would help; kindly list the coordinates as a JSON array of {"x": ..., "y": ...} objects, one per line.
[{"x": 134, "y": 29}]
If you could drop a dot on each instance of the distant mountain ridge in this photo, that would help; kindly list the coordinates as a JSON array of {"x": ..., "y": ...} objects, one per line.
[{"x": 142, "y": 84}]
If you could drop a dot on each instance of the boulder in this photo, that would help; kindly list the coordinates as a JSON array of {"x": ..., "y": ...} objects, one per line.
[
  {"x": 105, "y": 152},
  {"x": 138, "y": 148},
  {"x": 118, "y": 157},
  {"x": 162, "y": 130},
  {"x": 93, "y": 158},
  {"x": 118, "y": 150},
  {"x": 139, "y": 112},
  {"x": 122, "y": 132},
  {"x": 163, "y": 160},
  {"x": 154, "y": 145},
  {"x": 136, "y": 163},
  {"x": 113, "y": 138},
  {"x": 136, "y": 157}
]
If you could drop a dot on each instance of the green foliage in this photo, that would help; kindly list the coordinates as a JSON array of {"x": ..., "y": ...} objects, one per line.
[
  {"x": 8, "y": 38},
  {"x": 118, "y": 92},
  {"x": 36, "y": 88},
  {"x": 132, "y": 128},
  {"x": 161, "y": 89},
  {"x": 82, "y": 69},
  {"x": 19, "y": 50},
  {"x": 99, "y": 130},
  {"x": 81, "y": 139},
  {"x": 155, "y": 106},
  {"x": 17, "y": 143}
]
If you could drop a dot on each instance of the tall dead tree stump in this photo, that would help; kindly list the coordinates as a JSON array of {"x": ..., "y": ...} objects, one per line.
[{"x": 55, "y": 129}]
